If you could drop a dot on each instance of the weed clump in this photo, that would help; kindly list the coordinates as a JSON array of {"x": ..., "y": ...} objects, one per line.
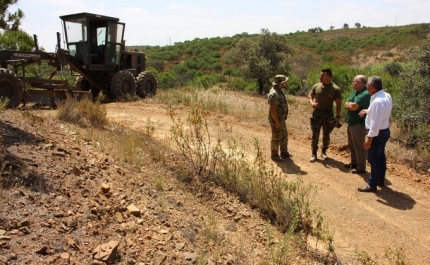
[{"x": 84, "y": 112}]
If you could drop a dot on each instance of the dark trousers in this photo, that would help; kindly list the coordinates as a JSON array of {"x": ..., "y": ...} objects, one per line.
[
  {"x": 377, "y": 159},
  {"x": 321, "y": 119}
]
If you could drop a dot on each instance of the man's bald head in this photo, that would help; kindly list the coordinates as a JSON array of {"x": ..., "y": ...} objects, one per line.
[{"x": 359, "y": 82}]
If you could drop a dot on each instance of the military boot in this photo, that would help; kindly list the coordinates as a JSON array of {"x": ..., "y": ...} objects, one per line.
[
  {"x": 285, "y": 155},
  {"x": 275, "y": 157}
]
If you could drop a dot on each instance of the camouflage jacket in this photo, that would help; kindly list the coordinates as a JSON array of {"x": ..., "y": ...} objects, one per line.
[{"x": 277, "y": 97}]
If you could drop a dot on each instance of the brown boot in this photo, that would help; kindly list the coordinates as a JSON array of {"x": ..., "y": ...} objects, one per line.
[
  {"x": 275, "y": 157},
  {"x": 285, "y": 155}
]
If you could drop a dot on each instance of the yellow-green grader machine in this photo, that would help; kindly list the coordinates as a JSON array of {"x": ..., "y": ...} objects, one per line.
[{"x": 95, "y": 54}]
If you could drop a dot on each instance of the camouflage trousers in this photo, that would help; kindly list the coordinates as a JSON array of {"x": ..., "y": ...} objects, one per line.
[
  {"x": 279, "y": 138},
  {"x": 324, "y": 119}
]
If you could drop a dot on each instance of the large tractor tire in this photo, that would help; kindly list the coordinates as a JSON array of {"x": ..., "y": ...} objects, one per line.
[
  {"x": 83, "y": 85},
  {"x": 11, "y": 87},
  {"x": 146, "y": 84},
  {"x": 123, "y": 85}
]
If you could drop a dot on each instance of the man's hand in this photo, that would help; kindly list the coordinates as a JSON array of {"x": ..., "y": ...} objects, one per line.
[
  {"x": 351, "y": 106},
  {"x": 278, "y": 125},
  {"x": 314, "y": 105},
  {"x": 362, "y": 113},
  {"x": 368, "y": 142}
]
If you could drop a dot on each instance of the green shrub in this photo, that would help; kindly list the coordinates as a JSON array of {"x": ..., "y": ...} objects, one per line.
[
  {"x": 394, "y": 68},
  {"x": 293, "y": 85},
  {"x": 237, "y": 84}
]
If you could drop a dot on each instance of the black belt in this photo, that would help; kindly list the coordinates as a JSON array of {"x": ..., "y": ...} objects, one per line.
[{"x": 379, "y": 130}]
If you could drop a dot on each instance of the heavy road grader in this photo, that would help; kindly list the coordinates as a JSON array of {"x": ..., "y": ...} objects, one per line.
[{"x": 95, "y": 54}]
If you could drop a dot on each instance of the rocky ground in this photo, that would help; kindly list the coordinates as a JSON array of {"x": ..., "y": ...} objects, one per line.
[{"x": 63, "y": 201}]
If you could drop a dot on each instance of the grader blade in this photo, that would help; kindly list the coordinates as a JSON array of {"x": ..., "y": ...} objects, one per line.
[{"x": 53, "y": 96}]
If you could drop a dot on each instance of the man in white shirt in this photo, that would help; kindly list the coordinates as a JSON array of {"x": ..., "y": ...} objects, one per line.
[{"x": 377, "y": 122}]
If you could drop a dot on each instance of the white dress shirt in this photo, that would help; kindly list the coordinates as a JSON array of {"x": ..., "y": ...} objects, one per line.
[{"x": 378, "y": 113}]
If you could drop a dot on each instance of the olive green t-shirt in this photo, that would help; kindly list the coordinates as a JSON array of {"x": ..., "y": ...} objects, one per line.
[
  {"x": 325, "y": 95},
  {"x": 362, "y": 98}
]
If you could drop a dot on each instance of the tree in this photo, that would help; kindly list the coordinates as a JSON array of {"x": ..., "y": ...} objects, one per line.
[
  {"x": 357, "y": 25},
  {"x": 302, "y": 65},
  {"x": 412, "y": 106},
  {"x": 316, "y": 29},
  {"x": 394, "y": 69},
  {"x": 16, "y": 40},
  {"x": 261, "y": 58},
  {"x": 228, "y": 72},
  {"x": 8, "y": 20},
  {"x": 331, "y": 27},
  {"x": 345, "y": 26}
]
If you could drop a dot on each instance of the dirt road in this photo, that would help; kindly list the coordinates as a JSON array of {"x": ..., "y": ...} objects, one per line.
[{"x": 396, "y": 216}]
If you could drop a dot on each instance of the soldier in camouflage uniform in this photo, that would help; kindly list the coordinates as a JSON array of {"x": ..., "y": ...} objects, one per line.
[
  {"x": 278, "y": 111},
  {"x": 321, "y": 98}
]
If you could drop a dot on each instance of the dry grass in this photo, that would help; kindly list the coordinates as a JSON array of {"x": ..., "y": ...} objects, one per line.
[
  {"x": 3, "y": 103},
  {"x": 247, "y": 107},
  {"x": 84, "y": 113}
]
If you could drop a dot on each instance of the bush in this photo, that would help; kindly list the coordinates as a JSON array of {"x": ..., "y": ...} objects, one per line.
[
  {"x": 293, "y": 85},
  {"x": 394, "y": 69},
  {"x": 412, "y": 105},
  {"x": 84, "y": 112},
  {"x": 237, "y": 84}
]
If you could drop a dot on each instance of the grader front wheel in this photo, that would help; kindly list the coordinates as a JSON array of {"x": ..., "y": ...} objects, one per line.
[
  {"x": 123, "y": 85},
  {"x": 11, "y": 87}
]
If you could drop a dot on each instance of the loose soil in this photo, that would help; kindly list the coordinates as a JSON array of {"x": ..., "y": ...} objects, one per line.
[{"x": 61, "y": 198}]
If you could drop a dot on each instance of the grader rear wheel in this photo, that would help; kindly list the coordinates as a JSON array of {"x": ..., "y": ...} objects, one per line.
[{"x": 11, "y": 87}]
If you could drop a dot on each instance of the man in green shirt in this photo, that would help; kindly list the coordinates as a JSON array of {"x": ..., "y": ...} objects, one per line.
[
  {"x": 321, "y": 98},
  {"x": 357, "y": 101},
  {"x": 278, "y": 111}
]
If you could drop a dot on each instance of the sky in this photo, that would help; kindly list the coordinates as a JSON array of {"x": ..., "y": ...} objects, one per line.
[{"x": 163, "y": 22}]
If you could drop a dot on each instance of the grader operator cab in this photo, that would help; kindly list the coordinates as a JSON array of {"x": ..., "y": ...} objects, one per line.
[{"x": 95, "y": 54}]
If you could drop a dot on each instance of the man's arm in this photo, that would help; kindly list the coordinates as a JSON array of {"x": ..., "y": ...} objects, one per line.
[
  {"x": 368, "y": 142},
  {"x": 351, "y": 106},
  {"x": 338, "y": 102},
  {"x": 274, "y": 115},
  {"x": 311, "y": 100}
]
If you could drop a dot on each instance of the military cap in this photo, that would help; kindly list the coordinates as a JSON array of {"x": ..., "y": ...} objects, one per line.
[{"x": 279, "y": 79}]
